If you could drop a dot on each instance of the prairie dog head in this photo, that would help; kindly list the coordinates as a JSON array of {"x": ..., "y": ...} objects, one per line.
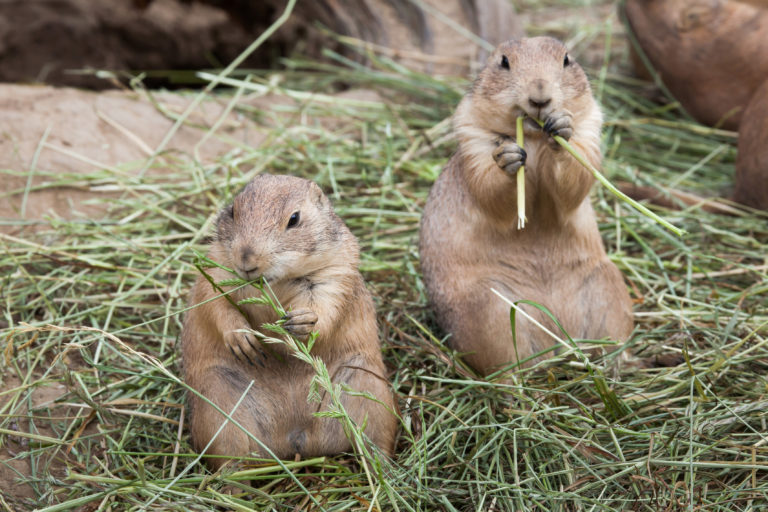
[
  {"x": 532, "y": 76},
  {"x": 281, "y": 227}
]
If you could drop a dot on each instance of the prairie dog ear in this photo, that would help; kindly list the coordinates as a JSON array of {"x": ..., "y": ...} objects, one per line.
[{"x": 317, "y": 195}]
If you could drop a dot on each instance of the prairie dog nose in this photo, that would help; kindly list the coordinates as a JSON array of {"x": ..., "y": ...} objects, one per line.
[
  {"x": 539, "y": 95},
  {"x": 248, "y": 260},
  {"x": 539, "y": 103}
]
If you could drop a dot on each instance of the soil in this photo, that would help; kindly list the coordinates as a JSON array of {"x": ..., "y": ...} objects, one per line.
[
  {"x": 13, "y": 462},
  {"x": 78, "y": 132},
  {"x": 47, "y": 133}
]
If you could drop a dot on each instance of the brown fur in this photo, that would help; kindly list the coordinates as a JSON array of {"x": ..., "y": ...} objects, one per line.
[
  {"x": 711, "y": 54},
  {"x": 312, "y": 268},
  {"x": 752, "y": 162},
  {"x": 469, "y": 237}
]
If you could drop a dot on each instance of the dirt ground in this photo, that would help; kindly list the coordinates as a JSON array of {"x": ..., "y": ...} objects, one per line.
[
  {"x": 11, "y": 468},
  {"x": 51, "y": 133}
]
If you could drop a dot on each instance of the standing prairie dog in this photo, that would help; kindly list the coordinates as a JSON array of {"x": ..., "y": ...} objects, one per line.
[
  {"x": 284, "y": 228},
  {"x": 469, "y": 240}
]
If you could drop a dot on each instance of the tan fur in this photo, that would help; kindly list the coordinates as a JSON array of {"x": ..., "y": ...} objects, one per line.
[
  {"x": 469, "y": 237},
  {"x": 312, "y": 269}
]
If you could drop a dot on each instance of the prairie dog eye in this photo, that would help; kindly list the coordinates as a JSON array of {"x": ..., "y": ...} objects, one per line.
[
  {"x": 504, "y": 62},
  {"x": 566, "y": 60},
  {"x": 294, "y": 220}
]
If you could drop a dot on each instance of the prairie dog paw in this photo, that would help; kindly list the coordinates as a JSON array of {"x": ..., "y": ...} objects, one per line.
[
  {"x": 300, "y": 322},
  {"x": 245, "y": 347},
  {"x": 509, "y": 156},
  {"x": 559, "y": 123}
]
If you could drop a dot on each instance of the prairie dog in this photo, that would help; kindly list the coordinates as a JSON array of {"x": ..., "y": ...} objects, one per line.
[
  {"x": 285, "y": 229},
  {"x": 469, "y": 241}
]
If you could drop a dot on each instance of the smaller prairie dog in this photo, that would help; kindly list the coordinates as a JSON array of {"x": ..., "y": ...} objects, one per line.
[
  {"x": 284, "y": 228},
  {"x": 469, "y": 241}
]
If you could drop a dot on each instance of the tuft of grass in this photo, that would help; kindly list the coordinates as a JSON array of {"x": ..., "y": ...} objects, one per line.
[{"x": 91, "y": 311}]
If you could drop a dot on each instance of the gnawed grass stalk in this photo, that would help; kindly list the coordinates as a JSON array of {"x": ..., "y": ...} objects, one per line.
[{"x": 520, "y": 178}]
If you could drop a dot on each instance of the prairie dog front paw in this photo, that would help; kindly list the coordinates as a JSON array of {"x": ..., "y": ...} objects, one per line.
[
  {"x": 509, "y": 156},
  {"x": 245, "y": 346},
  {"x": 559, "y": 123},
  {"x": 300, "y": 322}
]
